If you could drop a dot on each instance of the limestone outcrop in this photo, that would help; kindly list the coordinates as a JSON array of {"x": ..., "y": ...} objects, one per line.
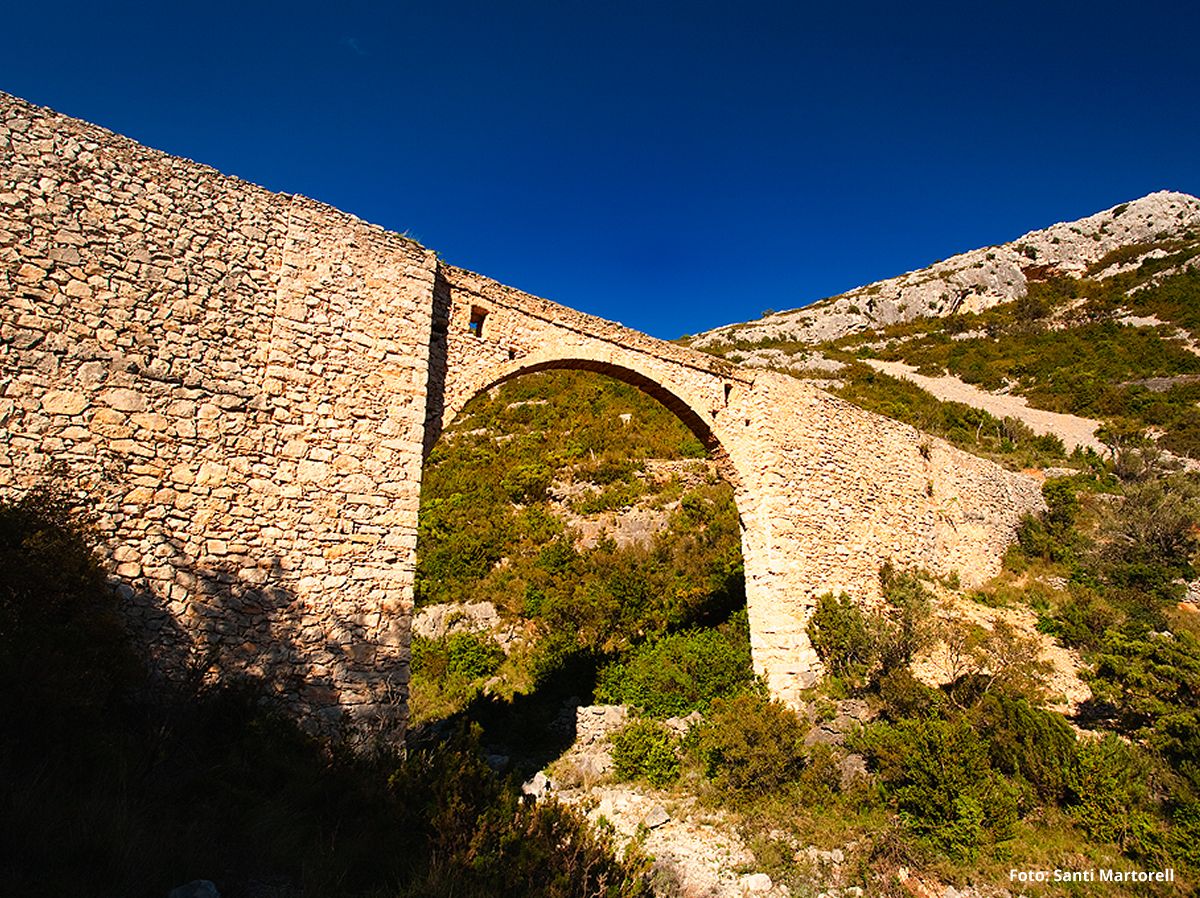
[{"x": 981, "y": 278}]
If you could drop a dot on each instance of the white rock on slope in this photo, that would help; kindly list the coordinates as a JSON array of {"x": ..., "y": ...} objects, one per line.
[{"x": 978, "y": 279}]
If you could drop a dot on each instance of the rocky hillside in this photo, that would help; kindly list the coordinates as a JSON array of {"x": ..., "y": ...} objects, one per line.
[
  {"x": 1086, "y": 333},
  {"x": 1099, "y": 246}
]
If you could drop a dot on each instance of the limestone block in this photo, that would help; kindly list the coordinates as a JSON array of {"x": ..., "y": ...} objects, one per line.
[
  {"x": 123, "y": 399},
  {"x": 64, "y": 402}
]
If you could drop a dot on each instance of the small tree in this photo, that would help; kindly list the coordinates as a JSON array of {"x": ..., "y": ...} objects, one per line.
[
  {"x": 938, "y": 774},
  {"x": 910, "y": 628}
]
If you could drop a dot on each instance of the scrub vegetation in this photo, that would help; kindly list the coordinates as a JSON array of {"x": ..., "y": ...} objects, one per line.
[
  {"x": 500, "y": 493},
  {"x": 962, "y": 782},
  {"x": 1118, "y": 349}
]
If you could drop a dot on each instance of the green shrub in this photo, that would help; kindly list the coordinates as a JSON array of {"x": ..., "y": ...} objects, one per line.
[
  {"x": 471, "y": 656},
  {"x": 1114, "y": 795},
  {"x": 447, "y": 673},
  {"x": 680, "y": 672},
  {"x": 560, "y": 657},
  {"x": 1184, "y": 842},
  {"x": 855, "y": 645},
  {"x": 527, "y": 483},
  {"x": 1084, "y": 618},
  {"x": 1051, "y": 535},
  {"x": 556, "y": 557},
  {"x": 840, "y": 634},
  {"x": 1062, "y": 505},
  {"x": 909, "y": 628},
  {"x": 1036, "y": 541},
  {"x": 938, "y": 775},
  {"x": 645, "y": 749},
  {"x": 903, "y": 695},
  {"x": 1035, "y": 745},
  {"x": 819, "y": 782},
  {"x": 1153, "y": 681},
  {"x": 481, "y": 838},
  {"x": 751, "y": 744}
]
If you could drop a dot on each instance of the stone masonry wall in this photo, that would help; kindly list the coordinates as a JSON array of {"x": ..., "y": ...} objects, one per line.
[
  {"x": 840, "y": 491},
  {"x": 235, "y": 381},
  {"x": 242, "y": 384}
]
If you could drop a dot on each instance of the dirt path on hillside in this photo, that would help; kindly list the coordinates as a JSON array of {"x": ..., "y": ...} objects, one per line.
[{"x": 1071, "y": 429}]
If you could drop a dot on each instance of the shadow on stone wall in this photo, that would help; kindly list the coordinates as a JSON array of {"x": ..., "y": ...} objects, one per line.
[
  {"x": 439, "y": 361},
  {"x": 218, "y": 623}
]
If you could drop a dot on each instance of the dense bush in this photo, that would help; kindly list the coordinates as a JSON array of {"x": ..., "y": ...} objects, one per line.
[
  {"x": 1083, "y": 619},
  {"x": 903, "y": 695},
  {"x": 1115, "y": 804},
  {"x": 471, "y": 656},
  {"x": 681, "y": 672},
  {"x": 855, "y": 645},
  {"x": 751, "y": 744},
  {"x": 1034, "y": 747},
  {"x": 1051, "y": 535},
  {"x": 645, "y": 749},
  {"x": 527, "y": 483},
  {"x": 841, "y": 635},
  {"x": 939, "y": 776},
  {"x": 482, "y": 839},
  {"x": 1153, "y": 682},
  {"x": 465, "y": 656}
]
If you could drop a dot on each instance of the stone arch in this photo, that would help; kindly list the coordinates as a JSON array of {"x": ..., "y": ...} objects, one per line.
[
  {"x": 624, "y": 370},
  {"x": 689, "y": 410}
]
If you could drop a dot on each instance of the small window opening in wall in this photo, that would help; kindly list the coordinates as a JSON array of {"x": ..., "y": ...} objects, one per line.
[
  {"x": 476, "y": 325},
  {"x": 512, "y": 354},
  {"x": 728, "y": 390}
]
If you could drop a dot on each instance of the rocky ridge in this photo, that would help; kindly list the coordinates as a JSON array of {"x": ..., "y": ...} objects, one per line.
[{"x": 972, "y": 281}]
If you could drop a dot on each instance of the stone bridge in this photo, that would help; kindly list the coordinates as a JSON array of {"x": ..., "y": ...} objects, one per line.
[{"x": 243, "y": 385}]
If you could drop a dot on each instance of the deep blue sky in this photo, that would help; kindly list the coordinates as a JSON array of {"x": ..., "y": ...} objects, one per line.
[{"x": 671, "y": 166}]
